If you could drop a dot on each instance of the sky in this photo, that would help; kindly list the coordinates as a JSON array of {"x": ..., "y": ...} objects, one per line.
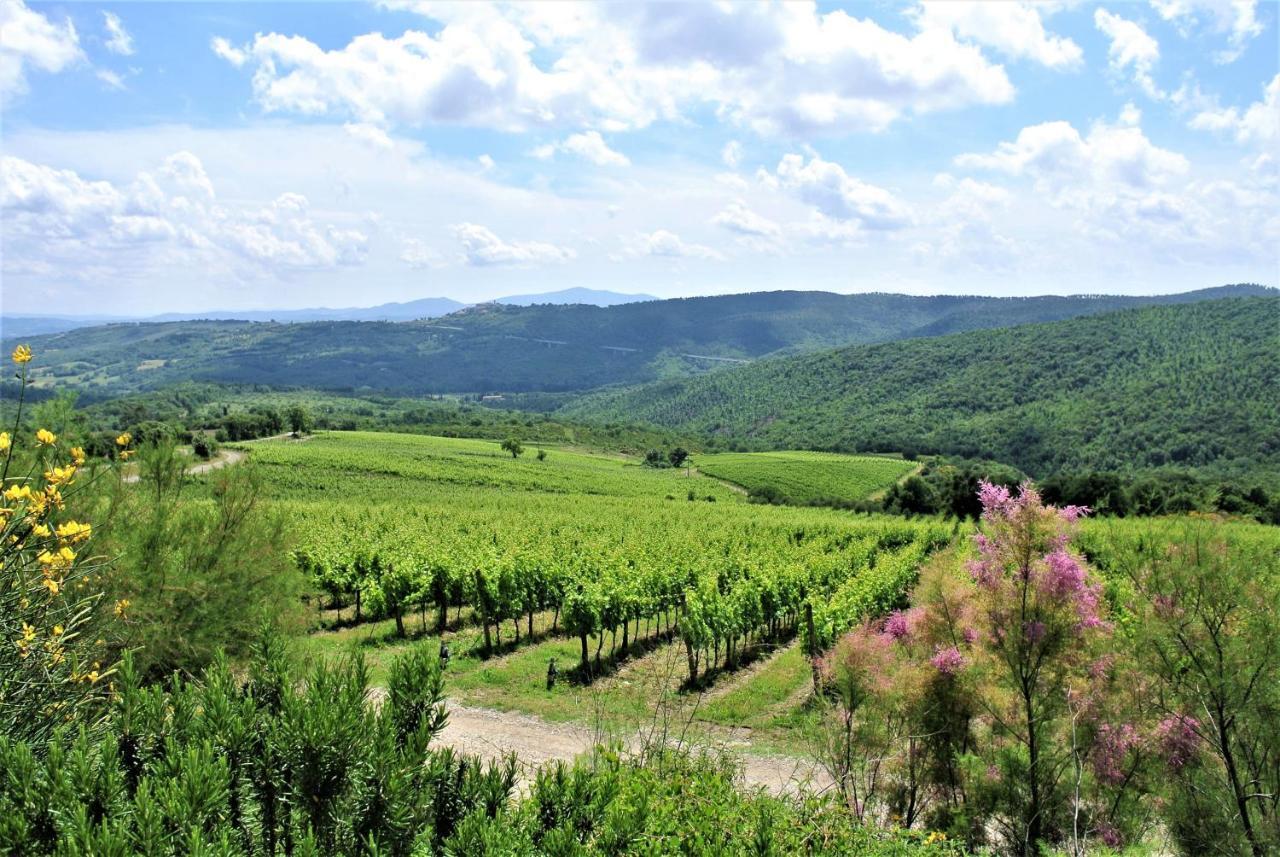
[{"x": 184, "y": 157}]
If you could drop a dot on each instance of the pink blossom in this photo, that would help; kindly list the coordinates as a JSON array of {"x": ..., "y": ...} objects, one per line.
[
  {"x": 1109, "y": 835},
  {"x": 1112, "y": 746},
  {"x": 1071, "y": 514},
  {"x": 896, "y": 625},
  {"x": 1178, "y": 740},
  {"x": 995, "y": 499},
  {"x": 1102, "y": 666},
  {"x": 1064, "y": 576},
  {"x": 1034, "y": 631},
  {"x": 948, "y": 661},
  {"x": 970, "y": 635}
]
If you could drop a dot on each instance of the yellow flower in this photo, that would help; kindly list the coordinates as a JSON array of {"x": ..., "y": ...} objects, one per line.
[
  {"x": 91, "y": 677},
  {"x": 22, "y": 354},
  {"x": 52, "y": 585},
  {"x": 40, "y": 531},
  {"x": 5, "y": 441},
  {"x": 44, "y": 437},
  {"x": 77, "y": 455},
  {"x": 124, "y": 439},
  {"x": 74, "y": 531},
  {"x": 66, "y": 555},
  {"x": 126, "y": 454},
  {"x": 60, "y": 475},
  {"x": 57, "y": 631},
  {"x": 121, "y": 606},
  {"x": 14, "y": 493}
]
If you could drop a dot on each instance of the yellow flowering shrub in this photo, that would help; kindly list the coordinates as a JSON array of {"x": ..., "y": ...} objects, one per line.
[{"x": 50, "y": 651}]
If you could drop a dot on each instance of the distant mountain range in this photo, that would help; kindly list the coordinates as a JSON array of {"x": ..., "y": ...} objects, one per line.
[
  {"x": 575, "y": 348},
  {"x": 33, "y": 325}
]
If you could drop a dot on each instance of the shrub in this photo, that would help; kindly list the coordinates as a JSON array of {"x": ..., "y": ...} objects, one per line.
[{"x": 51, "y": 654}]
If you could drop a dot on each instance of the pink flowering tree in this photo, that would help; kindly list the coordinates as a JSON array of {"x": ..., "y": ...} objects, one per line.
[{"x": 1038, "y": 625}]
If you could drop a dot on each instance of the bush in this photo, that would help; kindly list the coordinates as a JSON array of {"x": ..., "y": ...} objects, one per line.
[
  {"x": 204, "y": 446},
  {"x": 201, "y": 567}
]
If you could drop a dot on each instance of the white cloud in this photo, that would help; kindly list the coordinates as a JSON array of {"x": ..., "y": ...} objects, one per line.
[
  {"x": 30, "y": 40},
  {"x": 1258, "y": 123},
  {"x": 61, "y": 221},
  {"x": 828, "y": 188},
  {"x": 1061, "y": 161},
  {"x": 227, "y": 51},
  {"x": 118, "y": 39},
  {"x": 1131, "y": 48},
  {"x": 110, "y": 78},
  {"x": 731, "y": 154},
  {"x": 480, "y": 247},
  {"x": 665, "y": 244},
  {"x": 737, "y": 217},
  {"x": 371, "y": 134},
  {"x": 1237, "y": 19},
  {"x": 486, "y": 163},
  {"x": 775, "y": 67},
  {"x": 589, "y": 146},
  {"x": 1015, "y": 29}
]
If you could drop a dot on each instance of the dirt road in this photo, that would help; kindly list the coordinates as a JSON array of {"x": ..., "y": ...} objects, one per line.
[
  {"x": 224, "y": 458},
  {"x": 491, "y": 734}
]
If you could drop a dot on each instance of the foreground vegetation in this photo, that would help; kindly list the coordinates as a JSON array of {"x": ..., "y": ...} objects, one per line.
[{"x": 1044, "y": 682}]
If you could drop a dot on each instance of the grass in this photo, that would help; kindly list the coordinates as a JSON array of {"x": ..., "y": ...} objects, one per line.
[{"x": 807, "y": 477}]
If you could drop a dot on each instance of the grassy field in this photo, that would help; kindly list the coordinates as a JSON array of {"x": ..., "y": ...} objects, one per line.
[{"x": 806, "y": 477}]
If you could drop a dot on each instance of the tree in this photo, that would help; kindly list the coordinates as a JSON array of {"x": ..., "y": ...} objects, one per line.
[
  {"x": 299, "y": 419},
  {"x": 654, "y": 458},
  {"x": 542, "y": 455},
  {"x": 513, "y": 446},
  {"x": 677, "y": 456}
]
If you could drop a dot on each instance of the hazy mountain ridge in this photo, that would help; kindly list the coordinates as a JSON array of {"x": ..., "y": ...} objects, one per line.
[{"x": 495, "y": 347}]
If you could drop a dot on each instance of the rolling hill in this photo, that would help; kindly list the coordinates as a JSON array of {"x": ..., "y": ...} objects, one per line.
[
  {"x": 1195, "y": 385},
  {"x": 551, "y": 348}
]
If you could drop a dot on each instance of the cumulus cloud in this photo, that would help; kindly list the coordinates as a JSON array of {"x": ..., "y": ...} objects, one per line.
[
  {"x": 62, "y": 221},
  {"x": 1132, "y": 49},
  {"x": 1014, "y": 29},
  {"x": 837, "y": 195},
  {"x": 1238, "y": 19},
  {"x": 664, "y": 244},
  {"x": 775, "y": 67},
  {"x": 1061, "y": 161},
  {"x": 118, "y": 40},
  {"x": 30, "y": 40},
  {"x": 589, "y": 146},
  {"x": 740, "y": 219},
  {"x": 482, "y": 248},
  {"x": 1257, "y": 123}
]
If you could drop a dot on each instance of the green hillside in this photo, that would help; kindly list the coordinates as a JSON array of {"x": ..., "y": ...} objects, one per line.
[
  {"x": 805, "y": 477},
  {"x": 1191, "y": 386},
  {"x": 538, "y": 348}
]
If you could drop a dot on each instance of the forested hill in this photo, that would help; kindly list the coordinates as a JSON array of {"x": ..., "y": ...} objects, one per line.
[
  {"x": 493, "y": 348},
  {"x": 1193, "y": 385}
]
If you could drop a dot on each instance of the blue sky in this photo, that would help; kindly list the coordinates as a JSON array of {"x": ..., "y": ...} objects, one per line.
[{"x": 181, "y": 157}]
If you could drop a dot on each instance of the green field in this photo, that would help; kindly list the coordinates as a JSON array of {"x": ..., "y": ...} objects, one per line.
[{"x": 806, "y": 477}]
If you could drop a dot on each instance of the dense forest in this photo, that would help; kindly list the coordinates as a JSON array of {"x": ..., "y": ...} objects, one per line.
[
  {"x": 496, "y": 348},
  {"x": 1187, "y": 386}
]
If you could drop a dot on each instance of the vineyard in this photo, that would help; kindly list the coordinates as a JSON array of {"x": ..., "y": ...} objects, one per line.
[
  {"x": 581, "y": 556},
  {"x": 806, "y": 477}
]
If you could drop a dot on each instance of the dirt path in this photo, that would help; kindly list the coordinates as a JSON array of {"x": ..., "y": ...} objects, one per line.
[
  {"x": 732, "y": 486},
  {"x": 225, "y": 457},
  {"x": 491, "y": 734}
]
